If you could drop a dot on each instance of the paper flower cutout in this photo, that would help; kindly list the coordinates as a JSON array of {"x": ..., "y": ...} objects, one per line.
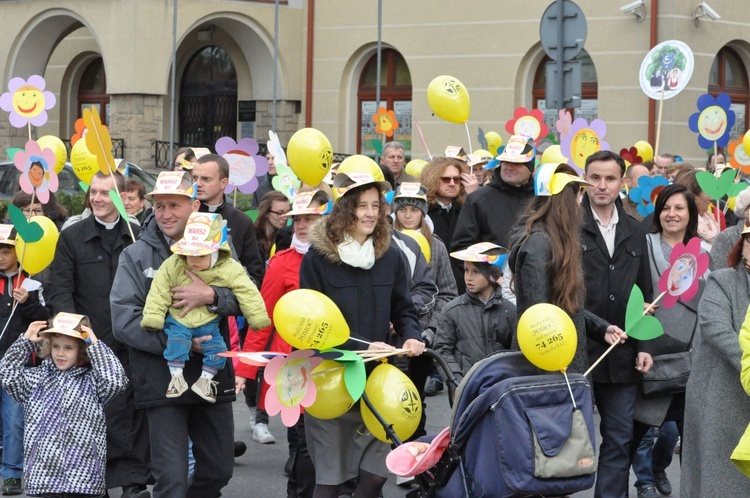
[
  {"x": 562, "y": 125},
  {"x": 27, "y": 101},
  {"x": 285, "y": 180},
  {"x": 37, "y": 169},
  {"x": 641, "y": 195},
  {"x": 80, "y": 127},
  {"x": 583, "y": 140},
  {"x": 291, "y": 384},
  {"x": 528, "y": 124},
  {"x": 481, "y": 139},
  {"x": 738, "y": 156},
  {"x": 385, "y": 121},
  {"x": 244, "y": 165},
  {"x": 713, "y": 121},
  {"x": 687, "y": 265},
  {"x": 631, "y": 156}
]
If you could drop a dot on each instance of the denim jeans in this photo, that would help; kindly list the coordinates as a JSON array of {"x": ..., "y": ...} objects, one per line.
[
  {"x": 12, "y": 437},
  {"x": 653, "y": 456},
  {"x": 179, "y": 338}
]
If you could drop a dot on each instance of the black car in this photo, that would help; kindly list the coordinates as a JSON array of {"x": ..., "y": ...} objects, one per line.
[{"x": 9, "y": 176}]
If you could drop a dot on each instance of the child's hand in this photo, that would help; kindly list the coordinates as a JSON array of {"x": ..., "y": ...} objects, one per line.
[
  {"x": 20, "y": 295},
  {"x": 32, "y": 333},
  {"x": 239, "y": 383},
  {"x": 88, "y": 334}
]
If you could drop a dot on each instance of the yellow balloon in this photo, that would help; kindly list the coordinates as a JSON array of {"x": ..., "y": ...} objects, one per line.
[
  {"x": 332, "y": 399},
  {"x": 547, "y": 337},
  {"x": 395, "y": 398},
  {"x": 746, "y": 141},
  {"x": 84, "y": 163},
  {"x": 36, "y": 256},
  {"x": 415, "y": 167},
  {"x": 494, "y": 142},
  {"x": 310, "y": 155},
  {"x": 422, "y": 241},
  {"x": 306, "y": 319},
  {"x": 449, "y": 99},
  {"x": 484, "y": 154},
  {"x": 58, "y": 147},
  {"x": 361, "y": 164},
  {"x": 553, "y": 154},
  {"x": 644, "y": 150}
]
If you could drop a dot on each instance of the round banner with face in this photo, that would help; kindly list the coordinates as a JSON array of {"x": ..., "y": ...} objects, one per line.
[
  {"x": 682, "y": 274},
  {"x": 666, "y": 69}
]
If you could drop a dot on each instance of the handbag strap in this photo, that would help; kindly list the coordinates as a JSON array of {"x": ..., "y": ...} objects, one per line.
[{"x": 656, "y": 266}]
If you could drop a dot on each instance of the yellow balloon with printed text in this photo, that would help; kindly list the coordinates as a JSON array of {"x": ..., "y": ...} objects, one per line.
[
  {"x": 310, "y": 155},
  {"x": 547, "y": 337},
  {"x": 395, "y": 398},
  {"x": 58, "y": 147},
  {"x": 83, "y": 162},
  {"x": 449, "y": 99},
  {"x": 36, "y": 256},
  {"x": 332, "y": 399},
  {"x": 308, "y": 319}
]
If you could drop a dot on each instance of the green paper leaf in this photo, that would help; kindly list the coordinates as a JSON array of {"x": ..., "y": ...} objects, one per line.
[
  {"x": 355, "y": 377},
  {"x": 29, "y": 232},
  {"x": 347, "y": 356},
  {"x": 252, "y": 213},
  {"x": 637, "y": 325},
  {"x": 84, "y": 186},
  {"x": 736, "y": 188},
  {"x": 377, "y": 146},
  {"x": 12, "y": 152},
  {"x": 726, "y": 180},
  {"x": 117, "y": 201},
  {"x": 710, "y": 184}
]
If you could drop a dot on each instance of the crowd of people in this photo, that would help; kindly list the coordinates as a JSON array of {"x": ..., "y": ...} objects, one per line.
[{"x": 112, "y": 378}]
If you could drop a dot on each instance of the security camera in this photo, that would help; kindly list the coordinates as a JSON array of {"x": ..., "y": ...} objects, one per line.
[
  {"x": 632, "y": 6},
  {"x": 709, "y": 11}
]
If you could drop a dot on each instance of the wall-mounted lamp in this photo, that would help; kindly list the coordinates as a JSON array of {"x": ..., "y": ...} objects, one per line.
[
  {"x": 637, "y": 8},
  {"x": 705, "y": 10},
  {"x": 206, "y": 34}
]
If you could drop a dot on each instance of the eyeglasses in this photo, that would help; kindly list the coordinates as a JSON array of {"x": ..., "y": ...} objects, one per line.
[
  {"x": 277, "y": 213},
  {"x": 35, "y": 211},
  {"x": 448, "y": 179},
  {"x": 746, "y": 237}
]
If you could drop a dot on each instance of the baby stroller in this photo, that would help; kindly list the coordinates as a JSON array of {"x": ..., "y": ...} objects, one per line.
[{"x": 515, "y": 431}]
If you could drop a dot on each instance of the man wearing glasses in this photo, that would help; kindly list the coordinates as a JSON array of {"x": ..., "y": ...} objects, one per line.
[{"x": 489, "y": 213}]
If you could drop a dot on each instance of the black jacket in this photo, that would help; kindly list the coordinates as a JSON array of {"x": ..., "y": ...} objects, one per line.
[
  {"x": 25, "y": 313},
  {"x": 150, "y": 374},
  {"x": 444, "y": 222},
  {"x": 608, "y": 285},
  {"x": 242, "y": 235},
  {"x": 82, "y": 273}
]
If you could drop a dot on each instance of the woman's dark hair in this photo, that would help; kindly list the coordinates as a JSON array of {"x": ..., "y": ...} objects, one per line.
[
  {"x": 343, "y": 217},
  {"x": 688, "y": 179},
  {"x": 52, "y": 209},
  {"x": 735, "y": 255},
  {"x": 667, "y": 192},
  {"x": 561, "y": 217},
  {"x": 266, "y": 239}
]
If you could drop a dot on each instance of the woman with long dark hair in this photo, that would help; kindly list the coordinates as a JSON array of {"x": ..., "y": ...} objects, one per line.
[
  {"x": 270, "y": 219},
  {"x": 547, "y": 264},
  {"x": 351, "y": 260}
]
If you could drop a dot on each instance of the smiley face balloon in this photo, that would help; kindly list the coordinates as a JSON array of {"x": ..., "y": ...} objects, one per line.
[{"x": 27, "y": 101}]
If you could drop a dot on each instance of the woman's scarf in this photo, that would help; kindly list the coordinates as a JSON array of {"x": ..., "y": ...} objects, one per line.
[{"x": 355, "y": 254}]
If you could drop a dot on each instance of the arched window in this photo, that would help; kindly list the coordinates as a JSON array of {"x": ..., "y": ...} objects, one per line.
[
  {"x": 208, "y": 98},
  {"x": 589, "y": 92},
  {"x": 395, "y": 95},
  {"x": 728, "y": 75},
  {"x": 92, "y": 90}
]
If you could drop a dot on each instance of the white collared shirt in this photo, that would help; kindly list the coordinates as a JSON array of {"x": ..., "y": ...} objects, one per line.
[{"x": 608, "y": 231}]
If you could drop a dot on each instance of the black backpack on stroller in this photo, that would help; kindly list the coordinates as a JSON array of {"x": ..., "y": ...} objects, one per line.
[{"x": 516, "y": 431}]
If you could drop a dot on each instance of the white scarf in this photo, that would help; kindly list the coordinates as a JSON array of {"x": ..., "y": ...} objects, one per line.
[
  {"x": 355, "y": 254},
  {"x": 298, "y": 245}
]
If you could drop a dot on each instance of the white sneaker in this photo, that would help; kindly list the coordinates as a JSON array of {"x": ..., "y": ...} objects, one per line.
[
  {"x": 262, "y": 435},
  {"x": 252, "y": 418}
]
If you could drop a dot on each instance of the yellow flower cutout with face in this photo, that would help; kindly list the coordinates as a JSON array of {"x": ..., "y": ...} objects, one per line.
[
  {"x": 28, "y": 101},
  {"x": 712, "y": 122}
]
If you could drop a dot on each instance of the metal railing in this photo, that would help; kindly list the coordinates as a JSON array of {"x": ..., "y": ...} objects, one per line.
[
  {"x": 118, "y": 147},
  {"x": 163, "y": 161}
]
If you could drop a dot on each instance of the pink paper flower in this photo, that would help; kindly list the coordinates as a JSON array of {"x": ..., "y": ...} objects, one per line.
[
  {"x": 291, "y": 384},
  {"x": 27, "y": 101},
  {"x": 37, "y": 170},
  {"x": 244, "y": 165},
  {"x": 527, "y": 124},
  {"x": 563, "y": 124},
  {"x": 687, "y": 265}
]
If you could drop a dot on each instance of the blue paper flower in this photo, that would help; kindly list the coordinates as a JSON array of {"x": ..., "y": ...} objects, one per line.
[
  {"x": 641, "y": 195},
  {"x": 713, "y": 120}
]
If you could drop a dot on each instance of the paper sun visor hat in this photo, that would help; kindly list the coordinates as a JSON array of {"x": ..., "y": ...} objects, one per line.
[
  {"x": 483, "y": 252},
  {"x": 415, "y": 457},
  {"x": 344, "y": 182},
  {"x": 519, "y": 149},
  {"x": 204, "y": 234},
  {"x": 7, "y": 235},
  {"x": 745, "y": 229},
  {"x": 174, "y": 183},
  {"x": 68, "y": 324},
  {"x": 301, "y": 203},
  {"x": 456, "y": 153},
  {"x": 547, "y": 182},
  {"x": 198, "y": 152}
]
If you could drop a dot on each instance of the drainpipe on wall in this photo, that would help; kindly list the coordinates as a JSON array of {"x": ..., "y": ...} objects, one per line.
[
  {"x": 309, "y": 78},
  {"x": 652, "y": 43}
]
